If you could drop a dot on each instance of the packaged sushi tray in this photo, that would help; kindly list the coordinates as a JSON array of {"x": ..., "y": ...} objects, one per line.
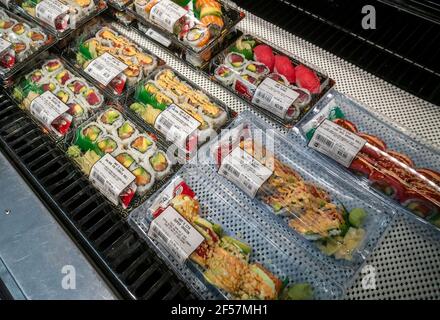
[
  {"x": 276, "y": 82},
  {"x": 340, "y": 223},
  {"x": 203, "y": 234},
  {"x": 112, "y": 61},
  {"x": 20, "y": 41},
  {"x": 122, "y": 17},
  {"x": 119, "y": 5},
  {"x": 377, "y": 153},
  {"x": 178, "y": 110},
  {"x": 55, "y": 96},
  {"x": 60, "y": 16},
  {"x": 122, "y": 160},
  {"x": 197, "y": 27}
]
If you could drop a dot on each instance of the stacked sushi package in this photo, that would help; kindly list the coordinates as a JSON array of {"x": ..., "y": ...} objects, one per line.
[
  {"x": 121, "y": 160},
  {"x": 271, "y": 80}
]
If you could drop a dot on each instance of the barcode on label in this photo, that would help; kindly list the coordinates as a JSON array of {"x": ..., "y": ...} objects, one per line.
[
  {"x": 266, "y": 97},
  {"x": 248, "y": 184},
  {"x": 157, "y": 233},
  {"x": 324, "y": 140},
  {"x": 98, "y": 177},
  {"x": 163, "y": 122},
  {"x": 232, "y": 170}
]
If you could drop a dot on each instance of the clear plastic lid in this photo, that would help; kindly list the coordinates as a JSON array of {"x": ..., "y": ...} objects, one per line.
[
  {"x": 276, "y": 82},
  {"x": 179, "y": 110},
  {"x": 57, "y": 97},
  {"x": 379, "y": 154},
  {"x": 20, "y": 42},
  {"x": 339, "y": 222},
  {"x": 119, "y": 5},
  {"x": 112, "y": 61},
  {"x": 195, "y": 25},
  {"x": 124, "y": 162},
  {"x": 60, "y": 16},
  {"x": 206, "y": 236}
]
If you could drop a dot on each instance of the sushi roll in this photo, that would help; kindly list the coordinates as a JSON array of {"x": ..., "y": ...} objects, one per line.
[
  {"x": 256, "y": 69},
  {"x": 92, "y": 131},
  {"x": 6, "y": 23},
  {"x": 19, "y": 28},
  {"x": 197, "y": 37},
  {"x": 21, "y": 49},
  {"x": 245, "y": 85},
  {"x": 63, "y": 76},
  {"x": 147, "y": 62},
  {"x": 77, "y": 111},
  {"x": 236, "y": 61},
  {"x": 52, "y": 66},
  {"x": 92, "y": 97},
  {"x": 423, "y": 202},
  {"x": 63, "y": 95},
  {"x": 388, "y": 183},
  {"x": 224, "y": 75},
  {"x": 76, "y": 86},
  {"x": 49, "y": 86},
  {"x": 303, "y": 99},
  {"x": 144, "y": 178},
  {"x": 110, "y": 119},
  {"x": 213, "y": 114},
  {"x": 37, "y": 38},
  {"x": 108, "y": 144},
  {"x": 35, "y": 76},
  {"x": 279, "y": 78},
  {"x": 61, "y": 125},
  {"x": 160, "y": 163},
  {"x": 126, "y": 132},
  {"x": 142, "y": 146},
  {"x": 125, "y": 158}
]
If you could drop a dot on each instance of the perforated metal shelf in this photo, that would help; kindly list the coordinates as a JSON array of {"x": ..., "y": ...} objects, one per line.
[{"x": 407, "y": 263}]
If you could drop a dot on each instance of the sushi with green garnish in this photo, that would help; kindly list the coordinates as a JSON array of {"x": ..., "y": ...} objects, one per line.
[
  {"x": 110, "y": 119},
  {"x": 160, "y": 164},
  {"x": 125, "y": 158},
  {"x": 144, "y": 179},
  {"x": 125, "y": 132},
  {"x": 142, "y": 146},
  {"x": 92, "y": 131},
  {"x": 107, "y": 144}
]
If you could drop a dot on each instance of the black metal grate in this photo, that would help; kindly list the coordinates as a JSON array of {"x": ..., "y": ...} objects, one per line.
[
  {"x": 125, "y": 260},
  {"x": 402, "y": 50}
]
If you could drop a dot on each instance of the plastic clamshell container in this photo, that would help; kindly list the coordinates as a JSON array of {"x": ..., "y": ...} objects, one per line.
[
  {"x": 61, "y": 17},
  {"x": 20, "y": 41},
  {"x": 119, "y": 5},
  {"x": 86, "y": 146},
  {"x": 102, "y": 40},
  {"x": 50, "y": 75},
  {"x": 272, "y": 80},
  {"x": 199, "y": 33},
  {"x": 315, "y": 210},
  {"x": 165, "y": 87},
  {"x": 393, "y": 164},
  {"x": 269, "y": 248}
]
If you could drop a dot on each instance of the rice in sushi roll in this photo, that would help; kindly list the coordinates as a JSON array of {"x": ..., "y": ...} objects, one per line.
[
  {"x": 147, "y": 62},
  {"x": 160, "y": 164},
  {"x": 144, "y": 178},
  {"x": 63, "y": 76},
  {"x": 304, "y": 97},
  {"x": 108, "y": 144},
  {"x": 224, "y": 74},
  {"x": 126, "y": 132},
  {"x": 77, "y": 111},
  {"x": 53, "y": 65},
  {"x": 279, "y": 78},
  {"x": 198, "y": 37},
  {"x": 63, "y": 95},
  {"x": 92, "y": 131},
  {"x": 110, "y": 119},
  {"x": 142, "y": 146},
  {"x": 236, "y": 61},
  {"x": 256, "y": 69},
  {"x": 125, "y": 158},
  {"x": 93, "y": 98}
]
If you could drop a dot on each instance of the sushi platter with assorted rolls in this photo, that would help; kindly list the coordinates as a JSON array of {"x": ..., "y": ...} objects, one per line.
[
  {"x": 55, "y": 95},
  {"x": 272, "y": 80},
  {"x": 384, "y": 157},
  {"x": 60, "y": 16},
  {"x": 115, "y": 63},
  {"x": 197, "y": 233},
  {"x": 178, "y": 109},
  {"x": 197, "y": 27},
  {"x": 124, "y": 162},
  {"x": 20, "y": 41}
]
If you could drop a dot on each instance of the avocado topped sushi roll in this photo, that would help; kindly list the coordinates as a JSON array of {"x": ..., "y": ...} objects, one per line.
[
  {"x": 92, "y": 131},
  {"x": 77, "y": 111},
  {"x": 77, "y": 86},
  {"x": 53, "y": 65},
  {"x": 63, "y": 95},
  {"x": 107, "y": 144},
  {"x": 141, "y": 146},
  {"x": 126, "y": 131},
  {"x": 160, "y": 163},
  {"x": 144, "y": 179},
  {"x": 126, "y": 159},
  {"x": 63, "y": 77},
  {"x": 110, "y": 119},
  {"x": 236, "y": 61}
]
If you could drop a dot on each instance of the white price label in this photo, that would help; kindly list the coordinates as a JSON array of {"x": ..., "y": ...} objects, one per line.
[
  {"x": 166, "y": 13},
  {"x": 105, "y": 68},
  {"x": 245, "y": 171},
  {"x": 176, "y": 124},
  {"x": 49, "y": 10},
  {"x": 336, "y": 142},
  {"x": 47, "y": 107},
  {"x": 4, "y": 45},
  {"x": 176, "y": 234},
  {"x": 274, "y": 97},
  {"x": 110, "y": 177},
  {"x": 158, "y": 37}
]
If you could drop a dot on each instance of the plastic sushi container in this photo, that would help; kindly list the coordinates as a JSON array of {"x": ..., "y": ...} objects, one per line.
[
  {"x": 124, "y": 162},
  {"x": 337, "y": 221},
  {"x": 119, "y": 5},
  {"x": 121, "y": 16},
  {"x": 377, "y": 153},
  {"x": 206, "y": 237},
  {"x": 55, "y": 96},
  {"x": 110, "y": 60},
  {"x": 20, "y": 41},
  {"x": 195, "y": 29},
  {"x": 179, "y": 111},
  {"x": 277, "y": 83},
  {"x": 59, "y": 16}
]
